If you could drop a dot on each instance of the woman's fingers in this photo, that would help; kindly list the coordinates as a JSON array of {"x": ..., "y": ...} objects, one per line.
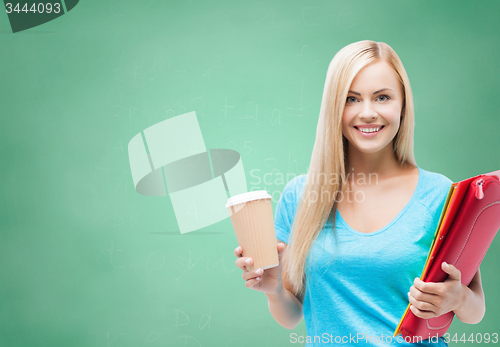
[
  {"x": 243, "y": 262},
  {"x": 420, "y": 296},
  {"x": 421, "y": 305},
  {"x": 422, "y": 314},
  {"x": 252, "y": 282},
  {"x": 252, "y": 274},
  {"x": 281, "y": 248},
  {"x": 237, "y": 251}
]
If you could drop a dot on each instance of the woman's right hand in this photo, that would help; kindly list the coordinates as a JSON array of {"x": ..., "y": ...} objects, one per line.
[{"x": 266, "y": 281}]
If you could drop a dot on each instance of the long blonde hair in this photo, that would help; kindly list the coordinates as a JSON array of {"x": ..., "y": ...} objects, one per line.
[{"x": 318, "y": 203}]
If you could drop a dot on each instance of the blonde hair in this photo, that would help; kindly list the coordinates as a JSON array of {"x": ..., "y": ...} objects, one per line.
[{"x": 329, "y": 152}]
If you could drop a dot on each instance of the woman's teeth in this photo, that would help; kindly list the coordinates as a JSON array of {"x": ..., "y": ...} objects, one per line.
[{"x": 369, "y": 130}]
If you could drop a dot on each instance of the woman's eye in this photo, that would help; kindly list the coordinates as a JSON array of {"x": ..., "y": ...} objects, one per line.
[
  {"x": 351, "y": 99},
  {"x": 383, "y": 98}
]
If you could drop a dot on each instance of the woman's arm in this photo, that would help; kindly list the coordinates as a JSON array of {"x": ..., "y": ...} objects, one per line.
[
  {"x": 473, "y": 307},
  {"x": 284, "y": 306},
  {"x": 434, "y": 299}
]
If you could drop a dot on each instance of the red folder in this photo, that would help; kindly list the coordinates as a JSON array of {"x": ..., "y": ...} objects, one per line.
[{"x": 469, "y": 222}]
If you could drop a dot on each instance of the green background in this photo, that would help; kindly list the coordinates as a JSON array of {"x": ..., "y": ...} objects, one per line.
[{"x": 87, "y": 261}]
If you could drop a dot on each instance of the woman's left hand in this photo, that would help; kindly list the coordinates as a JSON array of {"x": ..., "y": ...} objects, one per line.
[{"x": 430, "y": 299}]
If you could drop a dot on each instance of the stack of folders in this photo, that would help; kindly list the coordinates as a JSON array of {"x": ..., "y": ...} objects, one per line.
[{"x": 469, "y": 222}]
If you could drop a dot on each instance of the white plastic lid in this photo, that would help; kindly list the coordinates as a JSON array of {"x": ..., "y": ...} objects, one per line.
[{"x": 241, "y": 198}]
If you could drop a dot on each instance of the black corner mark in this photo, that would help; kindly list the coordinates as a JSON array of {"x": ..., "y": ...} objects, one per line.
[
  {"x": 28, "y": 14},
  {"x": 70, "y": 4}
]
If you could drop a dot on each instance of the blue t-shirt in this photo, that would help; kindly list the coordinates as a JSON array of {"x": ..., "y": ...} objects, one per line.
[{"x": 356, "y": 286}]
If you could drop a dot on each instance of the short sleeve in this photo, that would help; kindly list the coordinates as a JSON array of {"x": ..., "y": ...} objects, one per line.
[
  {"x": 287, "y": 207},
  {"x": 434, "y": 193},
  {"x": 439, "y": 186}
]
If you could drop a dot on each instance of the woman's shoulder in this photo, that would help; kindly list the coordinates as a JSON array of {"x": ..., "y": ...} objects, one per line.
[
  {"x": 432, "y": 180},
  {"x": 296, "y": 182},
  {"x": 434, "y": 188},
  {"x": 295, "y": 186}
]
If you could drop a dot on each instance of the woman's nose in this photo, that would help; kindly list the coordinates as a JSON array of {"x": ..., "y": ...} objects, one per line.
[{"x": 368, "y": 111}]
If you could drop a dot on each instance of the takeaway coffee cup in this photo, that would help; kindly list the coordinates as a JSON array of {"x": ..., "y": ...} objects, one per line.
[{"x": 252, "y": 217}]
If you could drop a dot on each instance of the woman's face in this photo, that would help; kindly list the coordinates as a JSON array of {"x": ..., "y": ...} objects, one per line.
[{"x": 372, "y": 112}]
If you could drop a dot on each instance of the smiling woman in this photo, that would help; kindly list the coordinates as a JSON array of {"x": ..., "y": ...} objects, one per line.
[
  {"x": 372, "y": 112},
  {"x": 347, "y": 265}
]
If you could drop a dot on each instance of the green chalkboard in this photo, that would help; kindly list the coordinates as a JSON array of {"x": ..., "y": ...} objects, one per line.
[{"x": 85, "y": 260}]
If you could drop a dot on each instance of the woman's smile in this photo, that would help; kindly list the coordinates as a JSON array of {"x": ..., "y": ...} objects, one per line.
[{"x": 369, "y": 130}]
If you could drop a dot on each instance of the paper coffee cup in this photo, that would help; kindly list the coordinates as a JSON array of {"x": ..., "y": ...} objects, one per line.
[{"x": 252, "y": 217}]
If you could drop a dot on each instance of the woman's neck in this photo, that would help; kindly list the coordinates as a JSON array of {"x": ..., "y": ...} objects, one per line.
[{"x": 383, "y": 163}]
